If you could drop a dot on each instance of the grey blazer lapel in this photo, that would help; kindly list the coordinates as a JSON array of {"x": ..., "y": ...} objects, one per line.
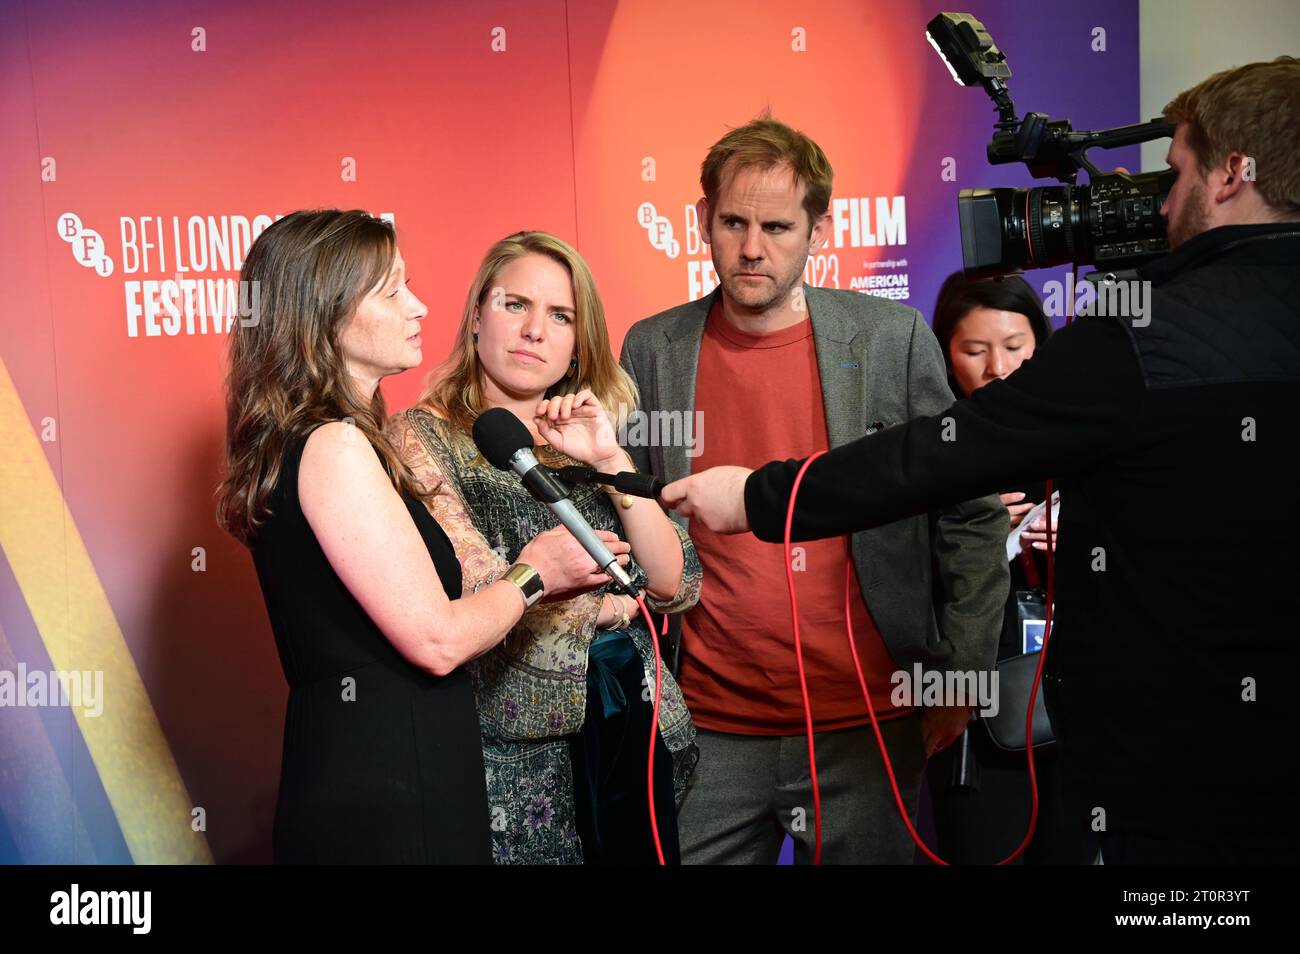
[
  {"x": 676, "y": 365},
  {"x": 841, "y": 348}
]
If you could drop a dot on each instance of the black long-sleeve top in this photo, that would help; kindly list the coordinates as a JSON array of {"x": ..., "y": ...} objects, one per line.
[{"x": 1173, "y": 437}]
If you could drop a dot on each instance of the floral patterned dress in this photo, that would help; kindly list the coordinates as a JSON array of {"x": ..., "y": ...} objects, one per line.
[{"x": 531, "y": 689}]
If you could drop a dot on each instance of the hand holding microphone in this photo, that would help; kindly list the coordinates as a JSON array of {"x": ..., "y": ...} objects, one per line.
[
  {"x": 506, "y": 444},
  {"x": 566, "y": 568}
]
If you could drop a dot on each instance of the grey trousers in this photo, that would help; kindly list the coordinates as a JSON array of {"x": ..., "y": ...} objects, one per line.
[{"x": 748, "y": 792}]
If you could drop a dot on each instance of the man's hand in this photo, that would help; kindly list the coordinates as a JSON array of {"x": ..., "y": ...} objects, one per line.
[
  {"x": 941, "y": 726},
  {"x": 714, "y": 497}
]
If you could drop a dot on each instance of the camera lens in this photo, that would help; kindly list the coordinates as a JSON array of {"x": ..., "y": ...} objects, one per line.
[
  {"x": 1114, "y": 222},
  {"x": 1005, "y": 230}
]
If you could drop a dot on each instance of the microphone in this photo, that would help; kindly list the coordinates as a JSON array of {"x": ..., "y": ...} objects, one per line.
[
  {"x": 506, "y": 444},
  {"x": 638, "y": 485}
]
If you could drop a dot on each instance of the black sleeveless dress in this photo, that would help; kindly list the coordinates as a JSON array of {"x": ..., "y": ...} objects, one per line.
[{"x": 382, "y": 761}]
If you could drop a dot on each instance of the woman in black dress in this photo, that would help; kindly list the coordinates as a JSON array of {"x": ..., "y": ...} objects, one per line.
[{"x": 382, "y": 761}]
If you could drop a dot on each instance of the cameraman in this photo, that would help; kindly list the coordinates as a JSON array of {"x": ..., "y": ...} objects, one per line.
[{"x": 1175, "y": 441}]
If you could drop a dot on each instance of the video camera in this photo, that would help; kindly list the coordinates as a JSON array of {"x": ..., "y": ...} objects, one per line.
[{"x": 1113, "y": 223}]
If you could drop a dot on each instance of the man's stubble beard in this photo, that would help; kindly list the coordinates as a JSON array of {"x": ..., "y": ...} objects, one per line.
[
  {"x": 1191, "y": 221},
  {"x": 792, "y": 281}
]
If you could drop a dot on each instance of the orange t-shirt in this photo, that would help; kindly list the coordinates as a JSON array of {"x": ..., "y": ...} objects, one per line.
[{"x": 761, "y": 399}]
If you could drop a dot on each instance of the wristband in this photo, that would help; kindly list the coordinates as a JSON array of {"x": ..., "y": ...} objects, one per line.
[{"x": 528, "y": 580}]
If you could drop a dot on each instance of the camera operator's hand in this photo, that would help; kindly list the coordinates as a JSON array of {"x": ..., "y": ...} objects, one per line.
[{"x": 713, "y": 497}]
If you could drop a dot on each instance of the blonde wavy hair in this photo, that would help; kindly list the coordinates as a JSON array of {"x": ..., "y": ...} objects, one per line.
[
  {"x": 455, "y": 388},
  {"x": 287, "y": 372}
]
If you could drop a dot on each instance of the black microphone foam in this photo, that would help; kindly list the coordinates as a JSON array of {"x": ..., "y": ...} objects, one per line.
[
  {"x": 498, "y": 435},
  {"x": 639, "y": 485}
]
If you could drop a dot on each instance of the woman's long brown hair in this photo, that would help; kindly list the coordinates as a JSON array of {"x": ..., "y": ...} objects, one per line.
[{"x": 287, "y": 372}]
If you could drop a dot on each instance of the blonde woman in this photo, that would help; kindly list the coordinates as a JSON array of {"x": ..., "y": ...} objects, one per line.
[{"x": 562, "y": 703}]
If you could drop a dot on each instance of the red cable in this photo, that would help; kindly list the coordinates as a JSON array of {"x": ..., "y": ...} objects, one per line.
[
  {"x": 866, "y": 695},
  {"x": 654, "y": 725},
  {"x": 798, "y": 655},
  {"x": 875, "y": 726}
]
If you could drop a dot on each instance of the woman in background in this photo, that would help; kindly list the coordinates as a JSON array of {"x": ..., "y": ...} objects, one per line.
[
  {"x": 565, "y": 702},
  {"x": 987, "y": 329},
  {"x": 381, "y": 758}
]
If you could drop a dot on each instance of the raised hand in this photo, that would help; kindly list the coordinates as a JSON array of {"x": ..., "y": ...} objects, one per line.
[{"x": 576, "y": 425}]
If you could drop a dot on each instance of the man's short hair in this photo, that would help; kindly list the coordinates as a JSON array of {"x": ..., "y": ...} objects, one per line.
[
  {"x": 767, "y": 143},
  {"x": 1252, "y": 109}
]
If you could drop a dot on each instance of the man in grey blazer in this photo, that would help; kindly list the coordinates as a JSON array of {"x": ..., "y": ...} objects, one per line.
[{"x": 768, "y": 362}]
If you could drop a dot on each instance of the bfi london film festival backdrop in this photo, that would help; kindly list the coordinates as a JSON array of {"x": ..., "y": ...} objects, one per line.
[{"x": 148, "y": 143}]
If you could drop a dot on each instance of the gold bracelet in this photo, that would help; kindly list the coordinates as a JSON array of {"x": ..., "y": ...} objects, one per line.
[{"x": 621, "y": 621}]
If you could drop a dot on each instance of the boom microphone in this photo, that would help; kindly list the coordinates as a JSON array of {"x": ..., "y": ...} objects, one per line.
[{"x": 638, "y": 485}]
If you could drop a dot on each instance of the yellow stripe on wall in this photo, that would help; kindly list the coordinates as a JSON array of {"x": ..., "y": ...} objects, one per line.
[{"x": 76, "y": 622}]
